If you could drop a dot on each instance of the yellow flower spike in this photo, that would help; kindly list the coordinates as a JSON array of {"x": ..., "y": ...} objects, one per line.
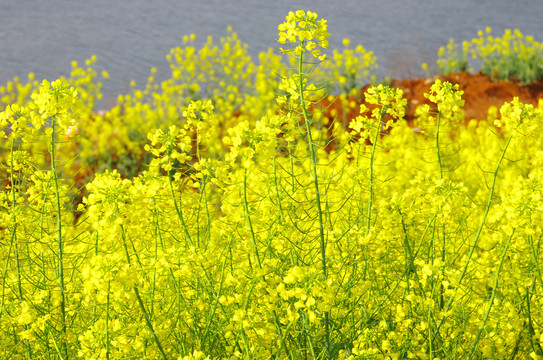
[
  {"x": 165, "y": 145},
  {"x": 304, "y": 30},
  {"x": 59, "y": 100},
  {"x": 448, "y": 99},
  {"x": 502, "y": 58},
  {"x": 389, "y": 100}
]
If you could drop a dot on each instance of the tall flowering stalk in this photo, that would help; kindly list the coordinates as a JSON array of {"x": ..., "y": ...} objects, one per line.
[
  {"x": 310, "y": 36},
  {"x": 18, "y": 116},
  {"x": 58, "y": 107},
  {"x": 447, "y": 115},
  {"x": 387, "y": 101},
  {"x": 170, "y": 147}
]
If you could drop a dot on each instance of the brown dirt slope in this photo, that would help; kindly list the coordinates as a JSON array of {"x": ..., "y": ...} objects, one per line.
[{"x": 480, "y": 93}]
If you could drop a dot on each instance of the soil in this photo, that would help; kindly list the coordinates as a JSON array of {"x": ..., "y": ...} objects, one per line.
[{"x": 480, "y": 93}]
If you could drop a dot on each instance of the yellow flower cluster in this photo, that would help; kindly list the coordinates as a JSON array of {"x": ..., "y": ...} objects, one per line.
[
  {"x": 451, "y": 58},
  {"x": 388, "y": 101},
  {"x": 241, "y": 89},
  {"x": 304, "y": 30},
  {"x": 17, "y": 117},
  {"x": 449, "y": 107},
  {"x": 56, "y": 100},
  {"x": 84, "y": 80},
  {"x": 15, "y": 92},
  {"x": 351, "y": 69},
  {"x": 165, "y": 146},
  {"x": 510, "y": 57}
]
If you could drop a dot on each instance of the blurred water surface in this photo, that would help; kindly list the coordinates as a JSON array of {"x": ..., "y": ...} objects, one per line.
[{"x": 131, "y": 36}]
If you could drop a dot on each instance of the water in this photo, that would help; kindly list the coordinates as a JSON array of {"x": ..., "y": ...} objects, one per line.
[{"x": 130, "y": 37}]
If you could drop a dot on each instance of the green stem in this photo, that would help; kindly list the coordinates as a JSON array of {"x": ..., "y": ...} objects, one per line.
[
  {"x": 535, "y": 256},
  {"x": 246, "y": 206},
  {"x": 107, "y": 319},
  {"x": 531, "y": 330},
  {"x": 313, "y": 155},
  {"x": 215, "y": 305},
  {"x": 292, "y": 177},
  {"x": 140, "y": 301},
  {"x": 198, "y": 211},
  {"x": 13, "y": 237},
  {"x": 197, "y": 141},
  {"x": 442, "y": 289},
  {"x": 372, "y": 157},
  {"x": 282, "y": 344},
  {"x": 491, "y": 301},
  {"x": 60, "y": 244},
  {"x": 4, "y": 276},
  {"x": 480, "y": 229},
  {"x": 13, "y": 244},
  {"x": 437, "y": 146},
  {"x": 277, "y": 188},
  {"x": 487, "y": 209},
  {"x": 179, "y": 209}
]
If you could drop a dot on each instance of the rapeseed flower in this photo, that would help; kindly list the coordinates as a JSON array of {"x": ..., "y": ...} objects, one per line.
[{"x": 304, "y": 30}]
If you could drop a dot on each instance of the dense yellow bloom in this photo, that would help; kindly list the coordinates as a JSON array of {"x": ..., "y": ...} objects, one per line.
[
  {"x": 389, "y": 101},
  {"x": 348, "y": 71},
  {"x": 169, "y": 147},
  {"x": 449, "y": 108},
  {"x": 18, "y": 118},
  {"x": 57, "y": 100},
  {"x": 303, "y": 29},
  {"x": 510, "y": 57},
  {"x": 249, "y": 237}
]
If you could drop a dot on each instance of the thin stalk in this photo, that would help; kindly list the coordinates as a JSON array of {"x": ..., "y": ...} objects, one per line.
[
  {"x": 480, "y": 229},
  {"x": 437, "y": 146},
  {"x": 292, "y": 173},
  {"x": 282, "y": 344},
  {"x": 491, "y": 301},
  {"x": 372, "y": 157},
  {"x": 202, "y": 189},
  {"x": 531, "y": 330},
  {"x": 246, "y": 206},
  {"x": 536, "y": 257},
  {"x": 241, "y": 331},
  {"x": 153, "y": 283},
  {"x": 13, "y": 237},
  {"x": 140, "y": 301},
  {"x": 197, "y": 141},
  {"x": 60, "y": 244},
  {"x": 179, "y": 209},
  {"x": 5, "y": 274},
  {"x": 277, "y": 188},
  {"x": 442, "y": 289},
  {"x": 215, "y": 305},
  {"x": 107, "y": 319},
  {"x": 200, "y": 200},
  {"x": 313, "y": 155},
  {"x": 487, "y": 209},
  {"x": 430, "y": 339},
  {"x": 13, "y": 244},
  {"x": 158, "y": 233},
  {"x": 158, "y": 238}
]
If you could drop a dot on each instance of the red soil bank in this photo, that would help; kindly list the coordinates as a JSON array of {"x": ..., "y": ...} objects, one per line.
[{"x": 480, "y": 92}]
